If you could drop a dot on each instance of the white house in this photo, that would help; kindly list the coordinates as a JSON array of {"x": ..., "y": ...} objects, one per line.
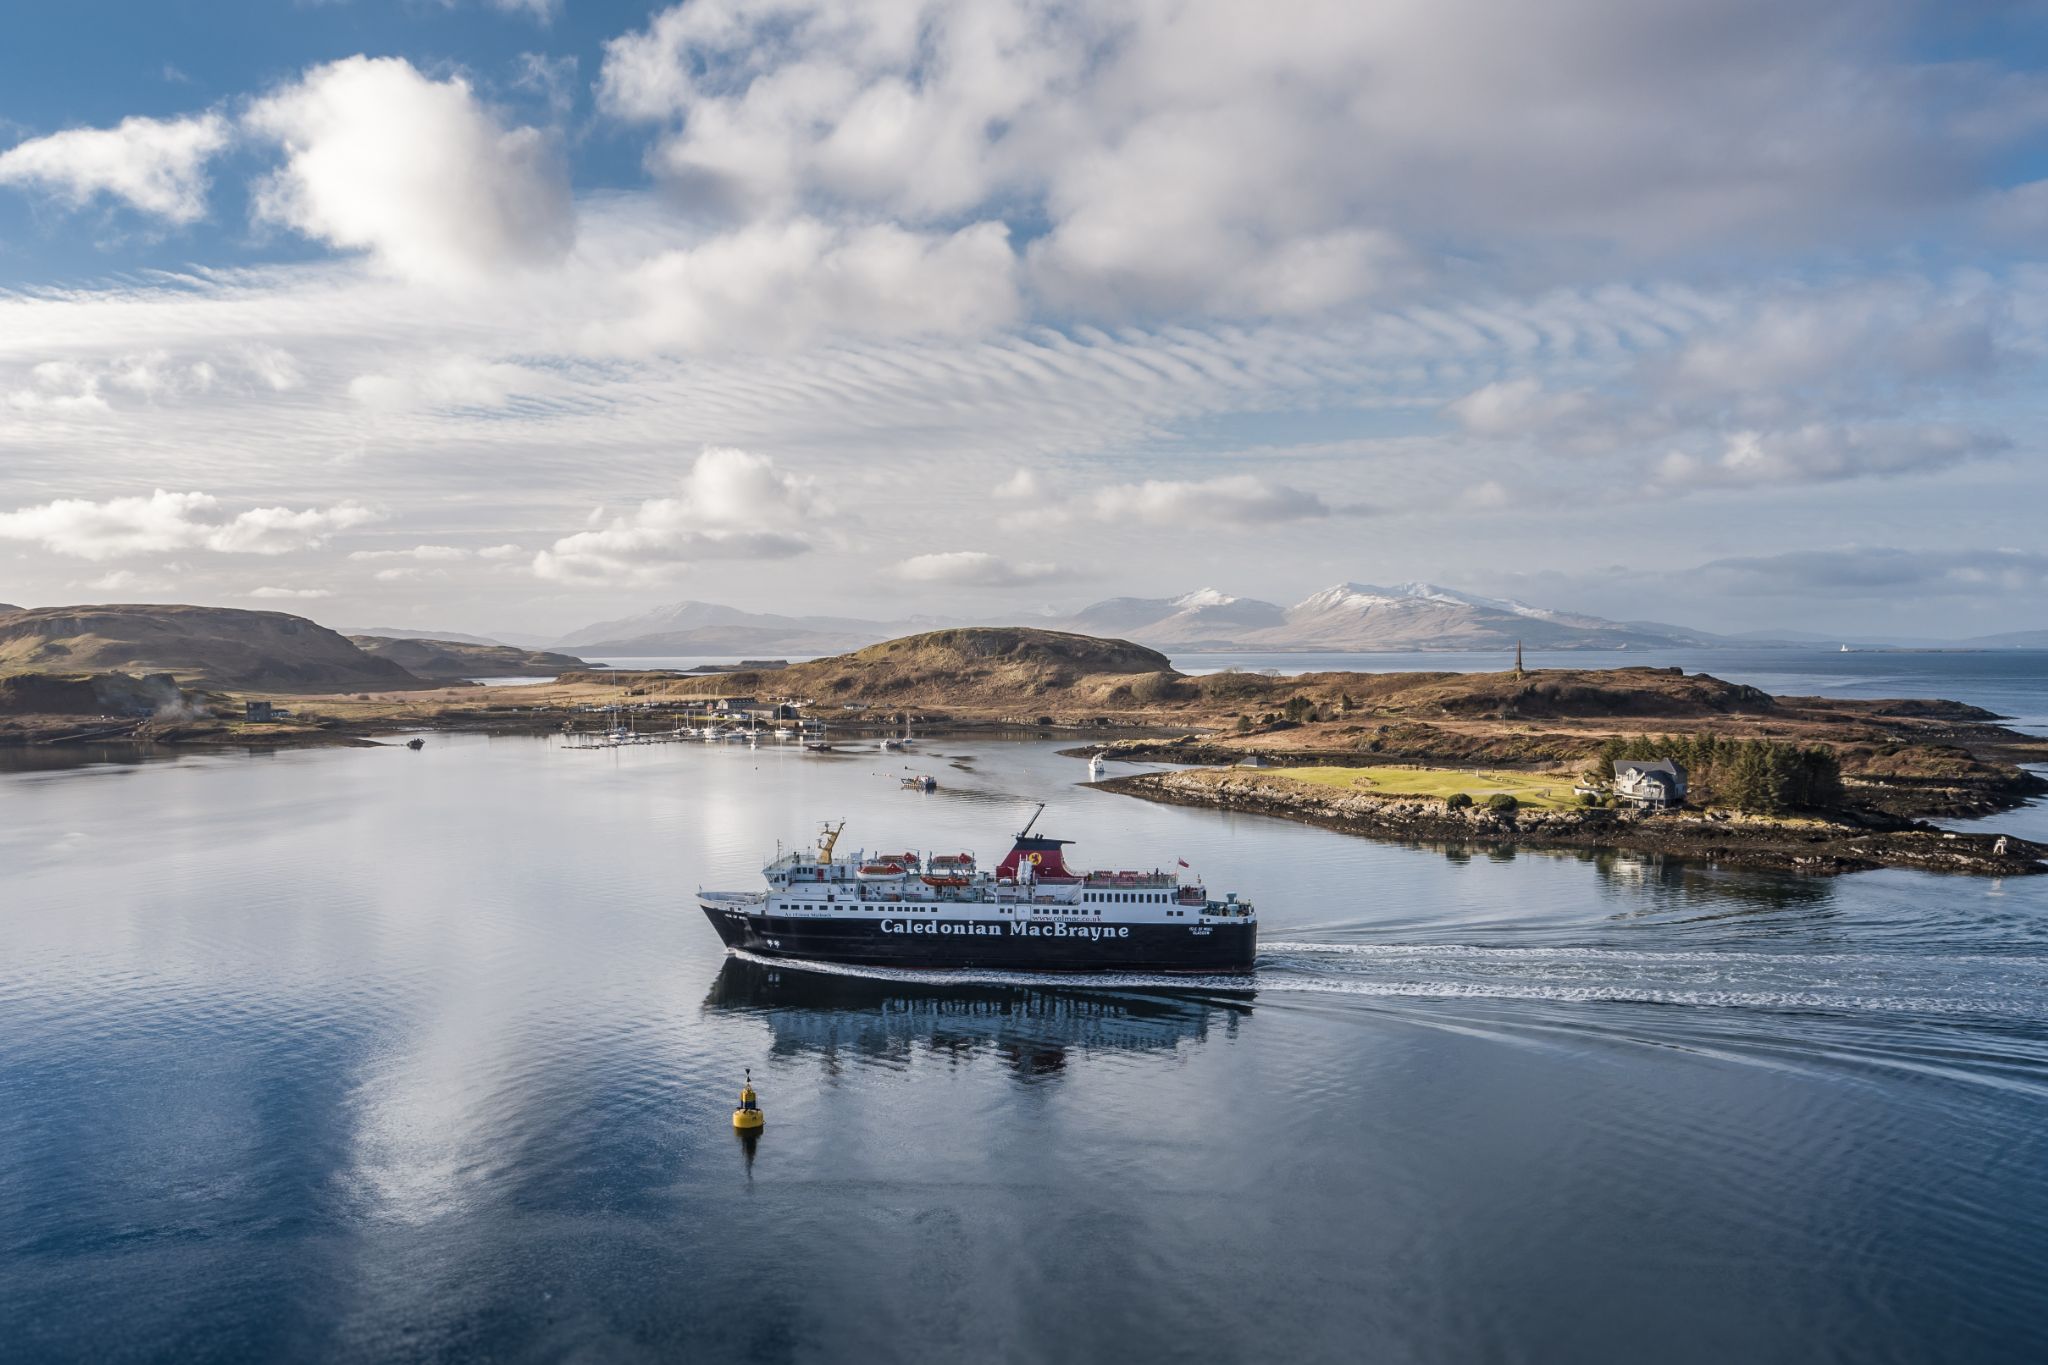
[{"x": 1642, "y": 782}]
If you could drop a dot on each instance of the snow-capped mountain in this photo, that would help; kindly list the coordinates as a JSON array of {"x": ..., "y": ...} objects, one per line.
[
  {"x": 1344, "y": 617},
  {"x": 1363, "y": 617}
]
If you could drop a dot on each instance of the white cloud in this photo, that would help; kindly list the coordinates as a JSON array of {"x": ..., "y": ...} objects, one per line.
[
  {"x": 165, "y": 522},
  {"x": 379, "y": 157},
  {"x": 1026, "y": 485},
  {"x": 429, "y": 554},
  {"x": 541, "y": 11},
  {"x": 59, "y": 387},
  {"x": 1885, "y": 573},
  {"x": 82, "y": 387},
  {"x": 552, "y": 78},
  {"x": 123, "y": 580},
  {"x": 975, "y": 569},
  {"x": 274, "y": 366},
  {"x": 451, "y": 381},
  {"x": 1213, "y": 154},
  {"x": 155, "y": 165},
  {"x": 500, "y": 552},
  {"x": 778, "y": 285},
  {"x": 1820, "y": 453},
  {"x": 1230, "y": 500},
  {"x": 732, "y": 505},
  {"x": 1847, "y": 343},
  {"x": 280, "y": 530},
  {"x": 301, "y": 594},
  {"x": 1513, "y": 407},
  {"x": 1797, "y": 385},
  {"x": 1488, "y": 495}
]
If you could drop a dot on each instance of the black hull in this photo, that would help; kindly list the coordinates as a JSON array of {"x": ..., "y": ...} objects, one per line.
[{"x": 911, "y": 942}]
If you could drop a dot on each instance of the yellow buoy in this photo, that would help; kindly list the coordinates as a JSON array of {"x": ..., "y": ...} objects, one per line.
[{"x": 748, "y": 1118}]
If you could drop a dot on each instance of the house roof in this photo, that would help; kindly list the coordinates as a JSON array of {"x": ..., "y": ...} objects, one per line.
[{"x": 1663, "y": 766}]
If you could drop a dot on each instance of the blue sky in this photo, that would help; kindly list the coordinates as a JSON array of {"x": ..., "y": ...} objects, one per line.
[{"x": 502, "y": 315}]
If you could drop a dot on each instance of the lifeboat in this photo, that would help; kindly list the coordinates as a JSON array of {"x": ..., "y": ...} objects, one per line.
[
  {"x": 944, "y": 881},
  {"x": 881, "y": 872}
]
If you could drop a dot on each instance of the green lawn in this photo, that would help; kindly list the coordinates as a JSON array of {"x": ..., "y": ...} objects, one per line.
[{"x": 1530, "y": 789}]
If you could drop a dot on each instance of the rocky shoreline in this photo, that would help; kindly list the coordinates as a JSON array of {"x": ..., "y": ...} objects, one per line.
[{"x": 1809, "y": 846}]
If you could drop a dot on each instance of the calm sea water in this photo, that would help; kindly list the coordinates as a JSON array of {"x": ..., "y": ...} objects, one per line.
[{"x": 373, "y": 1054}]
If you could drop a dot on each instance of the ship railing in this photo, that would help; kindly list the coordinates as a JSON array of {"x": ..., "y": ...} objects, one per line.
[{"x": 1129, "y": 879}]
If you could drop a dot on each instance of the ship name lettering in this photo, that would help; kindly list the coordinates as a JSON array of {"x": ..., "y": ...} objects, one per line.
[
  {"x": 970, "y": 927},
  {"x": 1057, "y": 930}
]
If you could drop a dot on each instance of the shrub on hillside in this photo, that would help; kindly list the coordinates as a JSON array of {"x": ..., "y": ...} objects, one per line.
[
  {"x": 1154, "y": 687},
  {"x": 1230, "y": 685},
  {"x": 1501, "y": 801},
  {"x": 1457, "y": 801}
]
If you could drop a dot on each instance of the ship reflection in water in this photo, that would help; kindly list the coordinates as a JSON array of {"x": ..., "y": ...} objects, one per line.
[{"x": 1031, "y": 1028}]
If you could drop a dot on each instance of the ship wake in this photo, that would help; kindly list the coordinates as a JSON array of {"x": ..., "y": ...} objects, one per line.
[{"x": 1975, "y": 985}]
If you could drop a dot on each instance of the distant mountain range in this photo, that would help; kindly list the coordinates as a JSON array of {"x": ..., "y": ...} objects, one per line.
[
  {"x": 2012, "y": 639},
  {"x": 455, "y": 659},
  {"x": 402, "y": 633},
  {"x": 1360, "y": 617},
  {"x": 1347, "y": 617},
  {"x": 690, "y": 628},
  {"x": 1344, "y": 618}
]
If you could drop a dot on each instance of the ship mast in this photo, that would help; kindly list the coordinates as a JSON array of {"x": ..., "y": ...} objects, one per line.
[
  {"x": 1022, "y": 833},
  {"x": 828, "y": 835}
]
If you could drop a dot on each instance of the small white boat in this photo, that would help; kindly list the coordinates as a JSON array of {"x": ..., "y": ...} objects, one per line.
[{"x": 1095, "y": 767}]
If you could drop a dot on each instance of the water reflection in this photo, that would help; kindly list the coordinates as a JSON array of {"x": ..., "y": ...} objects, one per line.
[
  {"x": 1697, "y": 880},
  {"x": 49, "y": 758},
  {"x": 1649, "y": 879},
  {"x": 1033, "y": 1028}
]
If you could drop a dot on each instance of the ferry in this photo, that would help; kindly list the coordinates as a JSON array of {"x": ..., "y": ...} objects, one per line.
[{"x": 945, "y": 911}]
